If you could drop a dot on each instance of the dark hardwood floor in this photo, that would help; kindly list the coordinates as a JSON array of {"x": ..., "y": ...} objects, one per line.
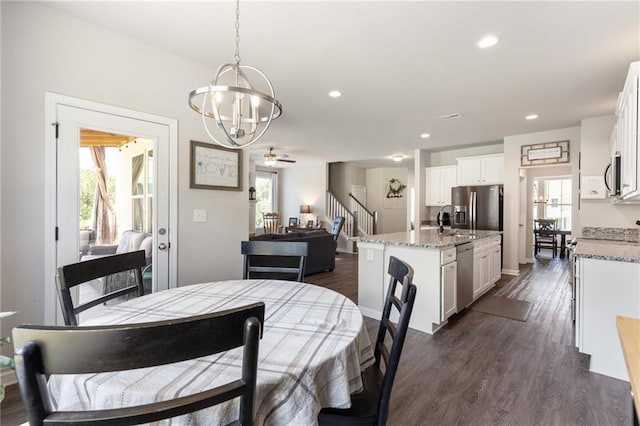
[{"x": 486, "y": 370}]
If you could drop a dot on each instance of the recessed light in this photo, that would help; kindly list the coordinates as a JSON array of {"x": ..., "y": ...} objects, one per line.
[
  {"x": 488, "y": 41},
  {"x": 425, "y": 135},
  {"x": 335, "y": 93},
  {"x": 397, "y": 158},
  {"x": 531, "y": 116}
]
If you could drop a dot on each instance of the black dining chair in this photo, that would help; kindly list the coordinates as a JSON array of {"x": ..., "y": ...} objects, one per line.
[
  {"x": 545, "y": 236},
  {"x": 336, "y": 227},
  {"x": 371, "y": 406},
  {"x": 45, "y": 350},
  {"x": 274, "y": 259},
  {"x": 72, "y": 275}
]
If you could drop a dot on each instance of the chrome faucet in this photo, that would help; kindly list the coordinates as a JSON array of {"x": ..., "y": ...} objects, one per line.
[{"x": 439, "y": 220}]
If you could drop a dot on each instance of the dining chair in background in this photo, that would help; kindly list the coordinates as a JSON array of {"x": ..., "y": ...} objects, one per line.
[
  {"x": 545, "y": 236},
  {"x": 46, "y": 350},
  {"x": 336, "y": 227},
  {"x": 271, "y": 222},
  {"x": 274, "y": 259},
  {"x": 72, "y": 275},
  {"x": 371, "y": 406}
]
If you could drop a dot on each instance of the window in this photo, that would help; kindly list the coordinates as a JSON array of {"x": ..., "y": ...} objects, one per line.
[
  {"x": 266, "y": 194},
  {"x": 142, "y": 191},
  {"x": 553, "y": 200}
]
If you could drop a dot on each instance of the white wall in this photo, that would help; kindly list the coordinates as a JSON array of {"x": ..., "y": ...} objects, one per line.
[
  {"x": 341, "y": 177},
  {"x": 304, "y": 183},
  {"x": 390, "y": 219},
  {"x": 512, "y": 146},
  {"x": 44, "y": 50},
  {"x": 596, "y": 155}
]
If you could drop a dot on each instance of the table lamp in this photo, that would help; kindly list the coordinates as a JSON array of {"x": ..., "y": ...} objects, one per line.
[{"x": 304, "y": 209}]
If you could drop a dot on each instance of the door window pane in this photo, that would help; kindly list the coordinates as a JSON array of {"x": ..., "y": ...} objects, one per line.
[
  {"x": 552, "y": 200},
  {"x": 266, "y": 195}
]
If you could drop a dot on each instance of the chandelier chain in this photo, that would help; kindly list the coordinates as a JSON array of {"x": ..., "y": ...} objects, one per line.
[{"x": 237, "y": 54}]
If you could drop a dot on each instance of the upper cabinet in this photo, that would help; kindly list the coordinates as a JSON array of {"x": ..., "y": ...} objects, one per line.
[
  {"x": 439, "y": 181},
  {"x": 626, "y": 141},
  {"x": 481, "y": 170}
]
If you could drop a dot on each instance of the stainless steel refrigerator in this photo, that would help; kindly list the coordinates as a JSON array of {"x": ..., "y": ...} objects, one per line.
[{"x": 477, "y": 207}]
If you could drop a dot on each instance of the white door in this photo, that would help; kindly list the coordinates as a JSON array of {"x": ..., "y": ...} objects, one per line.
[
  {"x": 143, "y": 205},
  {"x": 360, "y": 193}
]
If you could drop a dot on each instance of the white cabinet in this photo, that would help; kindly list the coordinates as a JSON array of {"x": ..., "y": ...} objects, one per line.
[
  {"x": 495, "y": 263},
  {"x": 627, "y": 128},
  {"x": 605, "y": 289},
  {"x": 480, "y": 272},
  {"x": 481, "y": 170},
  {"x": 448, "y": 276},
  {"x": 439, "y": 181},
  {"x": 486, "y": 264}
]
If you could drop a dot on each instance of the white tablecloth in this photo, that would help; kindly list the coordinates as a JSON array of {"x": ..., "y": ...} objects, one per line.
[{"x": 313, "y": 349}]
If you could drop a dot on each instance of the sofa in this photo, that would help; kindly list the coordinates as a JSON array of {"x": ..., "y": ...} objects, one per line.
[{"x": 321, "y": 254}]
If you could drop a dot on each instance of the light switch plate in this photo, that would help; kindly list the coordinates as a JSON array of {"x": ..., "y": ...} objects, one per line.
[
  {"x": 199, "y": 215},
  {"x": 592, "y": 188}
]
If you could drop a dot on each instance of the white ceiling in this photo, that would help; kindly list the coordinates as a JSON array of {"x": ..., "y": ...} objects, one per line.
[{"x": 401, "y": 65}]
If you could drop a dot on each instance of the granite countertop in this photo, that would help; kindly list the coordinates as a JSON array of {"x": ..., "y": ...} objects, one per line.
[
  {"x": 621, "y": 251},
  {"x": 428, "y": 238}
]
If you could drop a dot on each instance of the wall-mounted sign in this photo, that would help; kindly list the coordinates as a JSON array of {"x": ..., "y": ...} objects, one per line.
[{"x": 544, "y": 154}]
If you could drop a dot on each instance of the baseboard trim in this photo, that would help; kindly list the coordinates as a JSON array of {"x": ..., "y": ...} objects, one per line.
[
  {"x": 514, "y": 272},
  {"x": 344, "y": 250},
  {"x": 371, "y": 313}
]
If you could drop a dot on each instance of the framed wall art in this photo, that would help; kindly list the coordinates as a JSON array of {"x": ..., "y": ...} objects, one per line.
[
  {"x": 543, "y": 154},
  {"x": 215, "y": 167}
]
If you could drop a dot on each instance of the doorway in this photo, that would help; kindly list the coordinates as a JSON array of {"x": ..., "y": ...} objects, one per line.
[
  {"x": 545, "y": 192},
  {"x": 111, "y": 171}
]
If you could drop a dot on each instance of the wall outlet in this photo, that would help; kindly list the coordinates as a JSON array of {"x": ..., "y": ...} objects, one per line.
[
  {"x": 369, "y": 254},
  {"x": 199, "y": 215}
]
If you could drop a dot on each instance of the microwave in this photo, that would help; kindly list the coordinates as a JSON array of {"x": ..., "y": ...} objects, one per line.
[{"x": 612, "y": 176}]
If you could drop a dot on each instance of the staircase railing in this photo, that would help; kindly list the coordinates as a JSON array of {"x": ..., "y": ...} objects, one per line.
[
  {"x": 366, "y": 220},
  {"x": 336, "y": 208}
]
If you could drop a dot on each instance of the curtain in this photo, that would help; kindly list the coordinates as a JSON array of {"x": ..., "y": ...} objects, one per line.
[
  {"x": 137, "y": 165},
  {"x": 104, "y": 217}
]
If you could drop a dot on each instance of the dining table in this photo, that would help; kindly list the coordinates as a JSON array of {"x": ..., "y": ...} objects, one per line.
[{"x": 312, "y": 352}]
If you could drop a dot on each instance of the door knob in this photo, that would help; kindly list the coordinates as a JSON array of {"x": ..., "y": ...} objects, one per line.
[{"x": 162, "y": 246}]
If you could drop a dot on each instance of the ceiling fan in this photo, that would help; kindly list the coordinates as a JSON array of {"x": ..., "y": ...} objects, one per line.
[{"x": 270, "y": 158}]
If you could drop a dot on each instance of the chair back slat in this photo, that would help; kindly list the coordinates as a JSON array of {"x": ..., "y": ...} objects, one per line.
[
  {"x": 46, "y": 350},
  {"x": 69, "y": 276},
  {"x": 271, "y": 222},
  {"x": 278, "y": 254}
]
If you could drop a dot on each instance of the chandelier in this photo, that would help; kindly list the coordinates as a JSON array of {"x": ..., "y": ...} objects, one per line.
[
  {"x": 270, "y": 160},
  {"x": 241, "y": 112}
]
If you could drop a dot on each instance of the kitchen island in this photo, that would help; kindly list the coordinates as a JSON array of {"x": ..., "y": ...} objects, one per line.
[
  {"x": 433, "y": 258},
  {"x": 607, "y": 284}
]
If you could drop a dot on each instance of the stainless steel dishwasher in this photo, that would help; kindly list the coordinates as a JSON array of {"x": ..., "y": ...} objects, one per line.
[{"x": 464, "y": 286}]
